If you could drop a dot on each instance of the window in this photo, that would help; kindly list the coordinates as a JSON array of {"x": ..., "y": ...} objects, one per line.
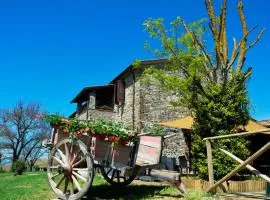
[{"x": 104, "y": 98}]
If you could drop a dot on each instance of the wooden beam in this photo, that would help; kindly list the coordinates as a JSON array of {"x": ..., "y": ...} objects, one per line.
[
  {"x": 252, "y": 169},
  {"x": 237, "y": 134},
  {"x": 210, "y": 163},
  {"x": 172, "y": 177},
  {"x": 241, "y": 166},
  {"x": 171, "y": 135}
]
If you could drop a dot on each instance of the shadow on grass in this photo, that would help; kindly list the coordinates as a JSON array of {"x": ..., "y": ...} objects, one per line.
[{"x": 129, "y": 192}]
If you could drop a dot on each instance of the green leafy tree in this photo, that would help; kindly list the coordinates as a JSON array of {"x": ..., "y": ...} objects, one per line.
[
  {"x": 19, "y": 166},
  {"x": 210, "y": 82}
]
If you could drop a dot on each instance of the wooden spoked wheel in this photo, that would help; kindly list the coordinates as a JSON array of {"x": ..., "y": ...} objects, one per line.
[
  {"x": 115, "y": 178},
  {"x": 70, "y": 169}
]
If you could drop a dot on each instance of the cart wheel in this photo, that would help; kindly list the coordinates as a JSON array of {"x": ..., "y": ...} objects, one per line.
[
  {"x": 70, "y": 169},
  {"x": 114, "y": 177}
]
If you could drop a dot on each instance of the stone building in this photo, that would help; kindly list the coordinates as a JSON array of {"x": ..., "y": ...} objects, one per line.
[{"x": 138, "y": 104}]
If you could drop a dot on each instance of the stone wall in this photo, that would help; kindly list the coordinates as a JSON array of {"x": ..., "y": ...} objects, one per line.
[
  {"x": 130, "y": 111},
  {"x": 156, "y": 107},
  {"x": 94, "y": 114},
  {"x": 148, "y": 104},
  {"x": 174, "y": 146},
  {"x": 176, "y": 151},
  {"x": 82, "y": 115}
]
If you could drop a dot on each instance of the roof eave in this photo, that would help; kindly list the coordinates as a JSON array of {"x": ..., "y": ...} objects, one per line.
[
  {"x": 143, "y": 63},
  {"x": 88, "y": 88}
]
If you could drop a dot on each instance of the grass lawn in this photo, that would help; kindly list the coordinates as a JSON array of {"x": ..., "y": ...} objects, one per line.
[
  {"x": 34, "y": 185},
  {"x": 27, "y": 186}
]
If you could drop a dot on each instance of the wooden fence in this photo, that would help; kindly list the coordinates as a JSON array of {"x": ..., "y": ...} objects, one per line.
[{"x": 231, "y": 186}]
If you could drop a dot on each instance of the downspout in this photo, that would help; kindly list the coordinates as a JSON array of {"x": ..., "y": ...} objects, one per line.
[
  {"x": 133, "y": 100},
  {"x": 87, "y": 108}
]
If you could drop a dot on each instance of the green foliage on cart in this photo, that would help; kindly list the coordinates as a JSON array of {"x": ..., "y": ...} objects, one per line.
[{"x": 116, "y": 131}]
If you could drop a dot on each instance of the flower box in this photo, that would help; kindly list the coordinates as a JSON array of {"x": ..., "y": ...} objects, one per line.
[
  {"x": 121, "y": 156},
  {"x": 100, "y": 149},
  {"x": 60, "y": 134},
  {"x": 116, "y": 154}
]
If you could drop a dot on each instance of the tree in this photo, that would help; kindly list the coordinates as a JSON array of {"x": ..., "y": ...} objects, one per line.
[
  {"x": 211, "y": 83},
  {"x": 1, "y": 160},
  {"x": 34, "y": 151},
  {"x": 21, "y": 133}
]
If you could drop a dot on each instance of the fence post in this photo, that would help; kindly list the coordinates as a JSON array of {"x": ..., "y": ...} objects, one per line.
[
  {"x": 268, "y": 187},
  {"x": 210, "y": 163}
]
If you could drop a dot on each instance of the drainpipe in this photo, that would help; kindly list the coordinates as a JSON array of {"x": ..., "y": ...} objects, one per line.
[{"x": 133, "y": 101}]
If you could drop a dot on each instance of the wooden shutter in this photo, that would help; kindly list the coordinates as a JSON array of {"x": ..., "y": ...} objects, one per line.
[{"x": 120, "y": 92}]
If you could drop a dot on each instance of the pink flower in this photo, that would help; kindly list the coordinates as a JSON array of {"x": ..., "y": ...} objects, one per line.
[
  {"x": 38, "y": 116},
  {"x": 130, "y": 134}
]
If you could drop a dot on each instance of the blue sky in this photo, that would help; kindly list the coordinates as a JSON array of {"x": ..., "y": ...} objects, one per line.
[{"x": 50, "y": 50}]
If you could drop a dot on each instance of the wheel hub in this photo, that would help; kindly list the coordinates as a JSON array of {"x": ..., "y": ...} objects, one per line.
[{"x": 67, "y": 168}]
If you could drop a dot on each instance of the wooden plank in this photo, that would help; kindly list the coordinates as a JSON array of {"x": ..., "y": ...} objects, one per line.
[
  {"x": 237, "y": 134},
  {"x": 173, "y": 178},
  {"x": 241, "y": 195},
  {"x": 148, "y": 154},
  {"x": 149, "y": 150},
  {"x": 210, "y": 163},
  {"x": 233, "y": 186},
  {"x": 151, "y": 141},
  {"x": 252, "y": 169},
  {"x": 268, "y": 188},
  {"x": 121, "y": 156},
  {"x": 100, "y": 148},
  {"x": 241, "y": 166},
  {"x": 165, "y": 174}
]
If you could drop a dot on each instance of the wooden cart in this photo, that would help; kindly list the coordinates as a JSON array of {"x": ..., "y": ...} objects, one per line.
[{"x": 71, "y": 162}]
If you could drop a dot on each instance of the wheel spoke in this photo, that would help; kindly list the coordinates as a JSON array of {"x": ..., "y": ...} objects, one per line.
[
  {"x": 54, "y": 167},
  {"x": 80, "y": 169},
  {"x": 71, "y": 187},
  {"x": 115, "y": 177},
  {"x": 118, "y": 176},
  {"x": 74, "y": 158},
  {"x": 109, "y": 171},
  {"x": 64, "y": 158},
  {"x": 59, "y": 183},
  {"x": 66, "y": 151},
  {"x": 66, "y": 185},
  {"x": 59, "y": 161},
  {"x": 113, "y": 173},
  {"x": 79, "y": 176},
  {"x": 71, "y": 151},
  {"x": 79, "y": 162},
  {"x": 55, "y": 175},
  {"x": 76, "y": 182}
]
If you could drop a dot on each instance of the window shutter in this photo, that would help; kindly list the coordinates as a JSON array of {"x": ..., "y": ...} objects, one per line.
[{"x": 120, "y": 92}]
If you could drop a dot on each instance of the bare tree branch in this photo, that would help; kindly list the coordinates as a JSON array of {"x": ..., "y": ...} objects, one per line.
[
  {"x": 256, "y": 40},
  {"x": 213, "y": 28},
  {"x": 200, "y": 49},
  {"x": 222, "y": 33},
  {"x": 20, "y": 133}
]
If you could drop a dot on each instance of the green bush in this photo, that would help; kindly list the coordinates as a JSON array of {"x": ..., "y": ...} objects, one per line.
[
  {"x": 2, "y": 170},
  {"x": 18, "y": 167},
  {"x": 194, "y": 194}
]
